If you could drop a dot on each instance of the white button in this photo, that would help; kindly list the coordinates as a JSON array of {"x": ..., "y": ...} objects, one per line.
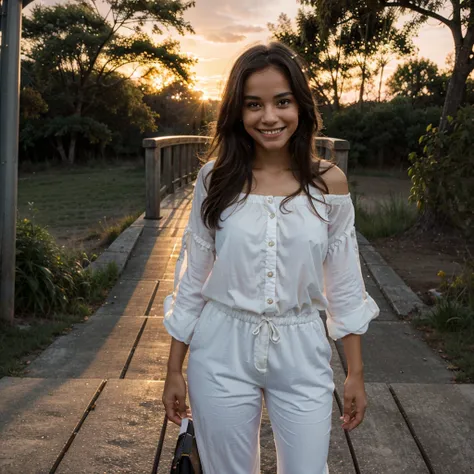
[
  {"x": 272, "y": 216},
  {"x": 270, "y": 200},
  {"x": 269, "y": 301},
  {"x": 270, "y": 274},
  {"x": 271, "y": 243}
]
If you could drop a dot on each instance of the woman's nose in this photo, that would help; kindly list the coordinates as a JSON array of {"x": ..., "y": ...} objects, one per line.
[{"x": 269, "y": 115}]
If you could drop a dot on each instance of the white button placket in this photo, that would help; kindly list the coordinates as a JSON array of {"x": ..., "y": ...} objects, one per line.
[
  {"x": 262, "y": 332},
  {"x": 270, "y": 264}
]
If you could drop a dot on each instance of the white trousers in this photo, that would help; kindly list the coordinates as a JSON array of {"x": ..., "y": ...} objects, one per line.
[{"x": 236, "y": 358}]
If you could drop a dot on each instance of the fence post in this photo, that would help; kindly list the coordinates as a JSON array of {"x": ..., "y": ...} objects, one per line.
[
  {"x": 341, "y": 153},
  {"x": 167, "y": 168},
  {"x": 153, "y": 182},
  {"x": 182, "y": 165},
  {"x": 189, "y": 156},
  {"x": 176, "y": 155},
  {"x": 334, "y": 149},
  {"x": 192, "y": 160}
]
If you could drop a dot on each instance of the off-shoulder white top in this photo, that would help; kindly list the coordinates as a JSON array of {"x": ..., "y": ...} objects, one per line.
[{"x": 266, "y": 260}]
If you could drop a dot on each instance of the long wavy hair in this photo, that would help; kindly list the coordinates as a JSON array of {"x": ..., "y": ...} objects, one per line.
[{"x": 235, "y": 148}]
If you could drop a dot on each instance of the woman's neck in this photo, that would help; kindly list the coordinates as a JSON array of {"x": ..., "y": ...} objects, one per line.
[{"x": 277, "y": 160}]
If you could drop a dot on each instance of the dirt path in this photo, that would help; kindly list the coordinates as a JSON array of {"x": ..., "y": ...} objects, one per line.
[{"x": 416, "y": 261}]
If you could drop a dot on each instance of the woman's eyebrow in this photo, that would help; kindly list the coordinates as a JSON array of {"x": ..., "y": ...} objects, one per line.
[{"x": 278, "y": 96}]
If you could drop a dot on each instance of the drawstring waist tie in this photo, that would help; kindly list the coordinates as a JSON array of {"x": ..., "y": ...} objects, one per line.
[{"x": 267, "y": 330}]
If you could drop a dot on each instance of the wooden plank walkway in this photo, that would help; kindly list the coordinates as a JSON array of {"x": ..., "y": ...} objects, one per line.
[{"x": 91, "y": 403}]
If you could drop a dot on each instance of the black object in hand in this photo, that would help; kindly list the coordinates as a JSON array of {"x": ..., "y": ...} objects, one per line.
[{"x": 186, "y": 456}]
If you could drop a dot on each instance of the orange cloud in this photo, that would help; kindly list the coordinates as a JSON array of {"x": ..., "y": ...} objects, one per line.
[{"x": 224, "y": 37}]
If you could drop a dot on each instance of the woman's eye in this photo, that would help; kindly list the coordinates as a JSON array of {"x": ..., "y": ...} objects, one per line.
[
  {"x": 252, "y": 104},
  {"x": 285, "y": 102}
]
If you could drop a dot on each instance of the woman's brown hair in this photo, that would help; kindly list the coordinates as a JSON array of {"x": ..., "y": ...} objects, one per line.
[{"x": 232, "y": 171}]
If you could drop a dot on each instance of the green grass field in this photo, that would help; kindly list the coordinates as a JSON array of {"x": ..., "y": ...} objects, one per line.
[
  {"x": 73, "y": 204},
  {"x": 77, "y": 203}
]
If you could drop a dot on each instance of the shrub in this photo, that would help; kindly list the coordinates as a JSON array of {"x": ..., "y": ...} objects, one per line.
[
  {"x": 48, "y": 280},
  {"x": 382, "y": 134},
  {"x": 443, "y": 175},
  {"x": 450, "y": 315},
  {"x": 459, "y": 287},
  {"x": 385, "y": 218}
]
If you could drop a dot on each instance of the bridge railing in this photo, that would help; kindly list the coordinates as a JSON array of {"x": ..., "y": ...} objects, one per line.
[{"x": 172, "y": 162}]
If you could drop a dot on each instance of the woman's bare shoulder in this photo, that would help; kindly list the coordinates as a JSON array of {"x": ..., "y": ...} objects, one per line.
[{"x": 334, "y": 178}]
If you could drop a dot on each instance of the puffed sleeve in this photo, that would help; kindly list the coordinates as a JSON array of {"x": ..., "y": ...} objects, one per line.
[
  {"x": 183, "y": 307},
  {"x": 350, "y": 307}
]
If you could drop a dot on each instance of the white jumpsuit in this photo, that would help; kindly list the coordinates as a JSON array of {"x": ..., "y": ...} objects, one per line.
[{"x": 247, "y": 300}]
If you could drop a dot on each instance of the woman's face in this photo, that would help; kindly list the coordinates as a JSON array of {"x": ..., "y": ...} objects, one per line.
[{"x": 270, "y": 113}]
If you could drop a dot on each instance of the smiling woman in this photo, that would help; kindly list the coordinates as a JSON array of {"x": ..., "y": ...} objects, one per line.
[
  {"x": 267, "y": 117},
  {"x": 266, "y": 91},
  {"x": 270, "y": 243}
]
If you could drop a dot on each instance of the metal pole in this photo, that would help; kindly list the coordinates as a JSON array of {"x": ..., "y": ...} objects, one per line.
[
  {"x": 3, "y": 30},
  {"x": 9, "y": 135}
]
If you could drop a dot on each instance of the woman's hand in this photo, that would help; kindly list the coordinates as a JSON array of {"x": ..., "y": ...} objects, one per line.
[
  {"x": 355, "y": 402},
  {"x": 174, "y": 396}
]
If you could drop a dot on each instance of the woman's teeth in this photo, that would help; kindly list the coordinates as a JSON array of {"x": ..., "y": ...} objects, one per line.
[{"x": 271, "y": 132}]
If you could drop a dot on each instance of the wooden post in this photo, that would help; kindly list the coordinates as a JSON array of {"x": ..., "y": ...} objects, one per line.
[
  {"x": 153, "y": 183},
  {"x": 201, "y": 151},
  {"x": 170, "y": 162},
  {"x": 184, "y": 164},
  {"x": 194, "y": 151},
  {"x": 334, "y": 149},
  {"x": 197, "y": 151},
  {"x": 189, "y": 165},
  {"x": 167, "y": 168},
  {"x": 341, "y": 152},
  {"x": 182, "y": 161},
  {"x": 176, "y": 155}
]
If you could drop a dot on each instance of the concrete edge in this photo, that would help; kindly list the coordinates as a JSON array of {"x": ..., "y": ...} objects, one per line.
[
  {"x": 403, "y": 300},
  {"x": 121, "y": 248}
]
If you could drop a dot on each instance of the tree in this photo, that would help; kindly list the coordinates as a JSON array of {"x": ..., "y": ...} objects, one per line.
[
  {"x": 117, "y": 119},
  {"x": 78, "y": 54},
  {"x": 328, "y": 63},
  {"x": 420, "y": 80},
  {"x": 32, "y": 105},
  {"x": 459, "y": 19},
  {"x": 371, "y": 38},
  {"x": 123, "y": 110},
  {"x": 181, "y": 110},
  {"x": 357, "y": 45}
]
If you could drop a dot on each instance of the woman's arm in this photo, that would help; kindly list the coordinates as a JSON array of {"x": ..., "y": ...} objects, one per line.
[
  {"x": 178, "y": 351},
  {"x": 350, "y": 308},
  {"x": 355, "y": 398},
  {"x": 183, "y": 307},
  {"x": 353, "y": 353},
  {"x": 174, "y": 391}
]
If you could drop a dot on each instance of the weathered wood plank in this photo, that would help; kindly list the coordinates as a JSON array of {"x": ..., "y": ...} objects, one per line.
[
  {"x": 121, "y": 434},
  {"x": 443, "y": 419},
  {"x": 151, "y": 356},
  {"x": 37, "y": 417},
  {"x": 98, "y": 348},
  {"x": 383, "y": 443}
]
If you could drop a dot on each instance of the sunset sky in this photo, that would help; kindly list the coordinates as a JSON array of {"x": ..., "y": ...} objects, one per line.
[{"x": 224, "y": 28}]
